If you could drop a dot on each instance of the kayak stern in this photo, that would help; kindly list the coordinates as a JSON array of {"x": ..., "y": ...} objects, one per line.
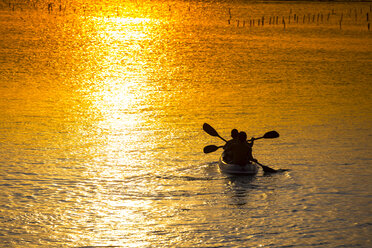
[{"x": 234, "y": 169}]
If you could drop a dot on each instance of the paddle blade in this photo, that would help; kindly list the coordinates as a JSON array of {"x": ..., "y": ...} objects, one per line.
[
  {"x": 211, "y": 148},
  {"x": 210, "y": 130},
  {"x": 271, "y": 135}
]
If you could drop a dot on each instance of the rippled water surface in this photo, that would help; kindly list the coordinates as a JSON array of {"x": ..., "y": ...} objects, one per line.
[{"x": 102, "y": 107}]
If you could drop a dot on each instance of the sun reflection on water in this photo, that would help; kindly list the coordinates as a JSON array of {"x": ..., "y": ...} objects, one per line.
[{"x": 120, "y": 95}]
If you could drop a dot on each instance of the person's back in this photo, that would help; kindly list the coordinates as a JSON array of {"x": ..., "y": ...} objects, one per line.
[
  {"x": 241, "y": 151},
  {"x": 227, "y": 147}
]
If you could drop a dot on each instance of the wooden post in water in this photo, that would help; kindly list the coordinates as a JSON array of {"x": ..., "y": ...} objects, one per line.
[{"x": 229, "y": 20}]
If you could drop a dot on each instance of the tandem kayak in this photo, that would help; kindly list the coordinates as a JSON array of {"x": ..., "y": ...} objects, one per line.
[{"x": 235, "y": 169}]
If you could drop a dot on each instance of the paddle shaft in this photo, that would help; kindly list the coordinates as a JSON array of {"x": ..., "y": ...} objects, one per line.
[
  {"x": 266, "y": 168},
  {"x": 221, "y": 138},
  {"x": 256, "y": 138}
]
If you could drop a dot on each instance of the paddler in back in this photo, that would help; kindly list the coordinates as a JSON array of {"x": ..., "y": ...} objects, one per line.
[
  {"x": 227, "y": 155},
  {"x": 241, "y": 151}
]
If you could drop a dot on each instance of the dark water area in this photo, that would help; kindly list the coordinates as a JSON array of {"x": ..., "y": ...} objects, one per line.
[{"x": 102, "y": 107}]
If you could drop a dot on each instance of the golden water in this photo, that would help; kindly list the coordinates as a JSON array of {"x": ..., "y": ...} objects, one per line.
[{"x": 102, "y": 107}]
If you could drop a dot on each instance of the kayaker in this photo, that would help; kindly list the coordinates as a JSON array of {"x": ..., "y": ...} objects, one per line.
[
  {"x": 227, "y": 156},
  {"x": 241, "y": 151},
  {"x": 234, "y": 136}
]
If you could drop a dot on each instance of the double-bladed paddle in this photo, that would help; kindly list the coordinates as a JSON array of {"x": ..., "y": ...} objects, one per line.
[
  {"x": 268, "y": 135},
  {"x": 211, "y": 148}
]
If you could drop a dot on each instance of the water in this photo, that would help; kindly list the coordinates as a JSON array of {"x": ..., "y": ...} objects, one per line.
[{"x": 102, "y": 109}]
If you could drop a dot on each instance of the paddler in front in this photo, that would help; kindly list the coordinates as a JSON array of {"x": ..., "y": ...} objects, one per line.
[{"x": 241, "y": 151}]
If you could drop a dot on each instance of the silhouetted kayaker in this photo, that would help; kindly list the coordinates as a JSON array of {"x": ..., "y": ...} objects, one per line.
[
  {"x": 241, "y": 151},
  {"x": 234, "y": 136},
  {"x": 227, "y": 147}
]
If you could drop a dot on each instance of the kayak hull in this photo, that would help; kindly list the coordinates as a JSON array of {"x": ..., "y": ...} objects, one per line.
[{"x": 235, "y": 169}]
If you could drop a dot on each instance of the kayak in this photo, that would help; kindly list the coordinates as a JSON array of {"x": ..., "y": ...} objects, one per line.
[{"x": 235, "y": 169}]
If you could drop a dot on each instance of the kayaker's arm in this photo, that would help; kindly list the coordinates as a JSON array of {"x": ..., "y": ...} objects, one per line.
[
  {"x": 251, "y": 158},
  {"x": 249, "y": 152},
  {"x": 254, "y": 160},
  {"x": 251, "y": 142}
]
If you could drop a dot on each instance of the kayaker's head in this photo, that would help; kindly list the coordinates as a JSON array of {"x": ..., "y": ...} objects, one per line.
[
  {"x": 242, "y": 136},
  {"x": 234, "y": 133}
]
